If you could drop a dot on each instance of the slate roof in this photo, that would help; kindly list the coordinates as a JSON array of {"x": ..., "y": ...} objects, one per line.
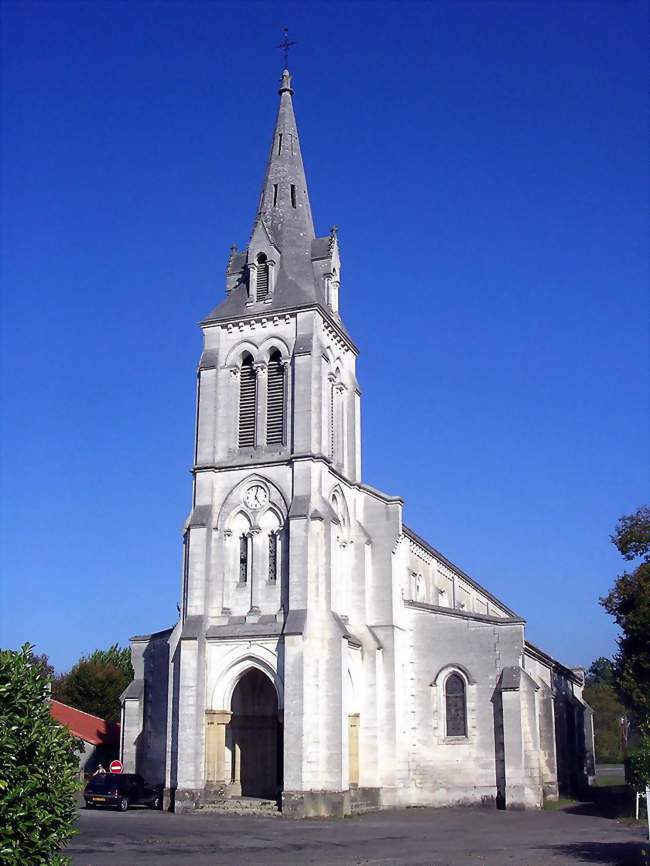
[
  {"x": 289, "y": 293},
  {"x": 321, "y": 248}
]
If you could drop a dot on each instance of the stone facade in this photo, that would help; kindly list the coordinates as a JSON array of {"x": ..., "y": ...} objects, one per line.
[{"x": 325, "y": 655}]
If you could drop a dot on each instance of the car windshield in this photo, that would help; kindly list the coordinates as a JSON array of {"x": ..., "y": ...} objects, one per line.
[
  {"x": 107, "y": 782},
  {"x": 101, "y": 783}
]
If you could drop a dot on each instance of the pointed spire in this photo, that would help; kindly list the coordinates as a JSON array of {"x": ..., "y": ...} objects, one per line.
[
  {"x": 283, "y": 232},
  {"x": 284, "y": 206}
]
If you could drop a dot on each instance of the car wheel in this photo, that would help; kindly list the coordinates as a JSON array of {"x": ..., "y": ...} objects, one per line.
[
  {"x": 156, "y": 803},
  {"x": 123, "y": 805},
  {"x": 90, "y": 805}
]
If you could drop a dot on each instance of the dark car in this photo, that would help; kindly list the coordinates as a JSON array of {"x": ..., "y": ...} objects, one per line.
[{"x": 121, "y": 790}]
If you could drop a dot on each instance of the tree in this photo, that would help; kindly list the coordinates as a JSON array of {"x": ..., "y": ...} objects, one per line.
[
  {"x": 114, "y": 655},
  {"x": 96, "y": 682},
  {"x": 38, "y": 767},
  {"x": 608, "y": 711},
  {"x": 600, "y": 671},
  {"x": 42, "y": 662},
  {"x": 629, "y": 603},
  {"x": 632, "y": 536}
]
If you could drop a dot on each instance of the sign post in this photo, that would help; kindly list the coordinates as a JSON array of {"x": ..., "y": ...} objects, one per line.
[{"x": 115, "y": 767}]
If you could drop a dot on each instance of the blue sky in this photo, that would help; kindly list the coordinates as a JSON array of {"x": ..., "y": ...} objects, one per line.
[{"x": 486, "y": 164}]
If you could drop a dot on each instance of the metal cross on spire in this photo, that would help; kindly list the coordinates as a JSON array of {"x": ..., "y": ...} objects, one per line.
[{"x": 285, "y": 45}]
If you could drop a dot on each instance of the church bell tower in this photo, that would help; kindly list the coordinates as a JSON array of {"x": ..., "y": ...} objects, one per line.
[{"x": 259, "y": 697}]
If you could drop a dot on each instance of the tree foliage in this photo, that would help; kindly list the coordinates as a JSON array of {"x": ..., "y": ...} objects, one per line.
[
  {"x": 600, "y": 671},
  {"x": 632, "y": 535},
  {"x": 115, "y": 656},
  {"x": 38, "y": 767},
  {"x": 96, "y": 682},
  {"x": 42, "y": 662},
  {"x": 629, "y": 603},
  {"x": 608, "y": 710},
  {"x": 637, "y": 765}
]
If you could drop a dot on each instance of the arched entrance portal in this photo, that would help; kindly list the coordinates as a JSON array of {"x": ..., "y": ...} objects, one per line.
[{"x": 256, "y": 736}]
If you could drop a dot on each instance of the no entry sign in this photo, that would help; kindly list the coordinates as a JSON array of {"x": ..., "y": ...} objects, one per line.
[{"x": 115, "y": 767}]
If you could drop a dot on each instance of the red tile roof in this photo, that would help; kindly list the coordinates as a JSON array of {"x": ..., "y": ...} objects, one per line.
[{"x": 92, "y": 729}]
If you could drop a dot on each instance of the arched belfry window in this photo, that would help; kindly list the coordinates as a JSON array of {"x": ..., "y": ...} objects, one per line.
[
  {"x": 455, "y": 706},
  {"x": 275, "y": 400},
  {"x": 262, "y": 286},
  {"x": 247, "y": 402}
]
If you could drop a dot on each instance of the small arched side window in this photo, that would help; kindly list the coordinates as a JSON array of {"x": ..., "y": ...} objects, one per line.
[
  {"x": 455, "y": 706},
  {"x": 247, "y": 402},
  {"x": 275, "y": 400},
  {"x": 262, "y": 285}
]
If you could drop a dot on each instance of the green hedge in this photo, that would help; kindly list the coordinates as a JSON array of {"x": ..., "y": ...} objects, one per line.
[
  {"x": 637, "y": 766},
  {"x": 38, "y": 767}
]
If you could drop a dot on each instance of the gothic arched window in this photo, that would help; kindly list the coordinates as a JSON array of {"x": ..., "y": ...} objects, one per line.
[
  {"x": 273, "y": 557},
  {"x": 271, "y": 528},
  {"x": 333, "y": 420},
  {"x": 243, "y": 559},
  {"x": 275, "y": 400},
  {"x": 262, "y": 285},
  {"x": 455, "y": 706},
  {"x": 247, "y": 402}
]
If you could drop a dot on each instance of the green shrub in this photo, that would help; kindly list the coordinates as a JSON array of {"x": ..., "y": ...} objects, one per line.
[
  {"x": 38, "y": 767},
  {"x": 637, "y": 765}
]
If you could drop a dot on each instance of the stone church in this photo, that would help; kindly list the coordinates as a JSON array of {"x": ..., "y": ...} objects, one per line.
[{"x": 326, "y": 657}]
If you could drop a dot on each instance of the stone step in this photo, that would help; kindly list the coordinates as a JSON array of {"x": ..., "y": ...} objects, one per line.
[{"x": 244, "y": 806}]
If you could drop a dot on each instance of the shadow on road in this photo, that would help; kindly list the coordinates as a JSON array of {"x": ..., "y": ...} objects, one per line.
[
  {"x": 613, "y": 802},
  {"x": 612, "y": 853}
]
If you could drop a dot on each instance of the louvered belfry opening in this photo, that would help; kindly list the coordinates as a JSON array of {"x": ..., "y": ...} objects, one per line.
[
  {"x": 262, "y": 288},
  {"x": 275, "y": 401},
  {"x": 247, "y": 403}
]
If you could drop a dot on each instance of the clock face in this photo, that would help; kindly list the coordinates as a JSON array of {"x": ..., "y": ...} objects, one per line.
[{"x": 256, "y": 496}]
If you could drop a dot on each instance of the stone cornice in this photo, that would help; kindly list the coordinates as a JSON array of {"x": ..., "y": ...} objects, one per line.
[
  {"x": 464, "y": 614},
  {"x": 255, "y": 318},
  {"x": 441, "y": 559},
  {"x": 541, "y": 656},
  {"x": 420, "y": 551},
  {"x": 288, "y": 459}
]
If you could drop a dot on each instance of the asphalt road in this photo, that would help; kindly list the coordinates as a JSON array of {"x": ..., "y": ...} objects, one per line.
[{"x": 410, "y": 837}]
